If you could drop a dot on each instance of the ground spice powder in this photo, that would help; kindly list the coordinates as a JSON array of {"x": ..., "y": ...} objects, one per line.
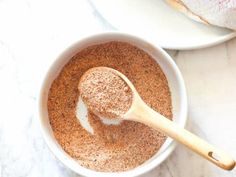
[
  {"x": 112, "y": 148},
  {"x": 105, "y": 93}
]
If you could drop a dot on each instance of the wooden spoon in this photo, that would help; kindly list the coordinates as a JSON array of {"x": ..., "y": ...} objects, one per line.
[{"x": 141, "y": 112}]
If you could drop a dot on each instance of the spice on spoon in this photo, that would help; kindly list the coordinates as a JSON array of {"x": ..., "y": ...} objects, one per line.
[{"x": 105, "y": 93}]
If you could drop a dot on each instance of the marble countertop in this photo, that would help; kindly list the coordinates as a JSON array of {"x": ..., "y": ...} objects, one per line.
[{"x": 32, "y": 34}]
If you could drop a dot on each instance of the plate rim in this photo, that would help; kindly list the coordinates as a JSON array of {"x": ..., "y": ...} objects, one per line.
[{"x": 210, "y": 43}]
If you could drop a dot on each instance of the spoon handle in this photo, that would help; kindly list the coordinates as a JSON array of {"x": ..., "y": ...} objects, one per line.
[{"x": 148, "y": 116}]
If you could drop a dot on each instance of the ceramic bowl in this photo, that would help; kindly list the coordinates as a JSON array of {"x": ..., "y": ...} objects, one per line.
[{"x": 176, "y": 84}]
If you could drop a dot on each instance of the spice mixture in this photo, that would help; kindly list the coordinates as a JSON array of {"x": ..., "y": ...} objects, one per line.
[
  {"x": 111, "y": 148},
  {"x": 105, "y": 93}
]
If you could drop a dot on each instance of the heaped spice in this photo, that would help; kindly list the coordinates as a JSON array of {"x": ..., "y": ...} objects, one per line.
[
  {"x": 105, "y": 93},
  {"x": 111, "y": 148}
]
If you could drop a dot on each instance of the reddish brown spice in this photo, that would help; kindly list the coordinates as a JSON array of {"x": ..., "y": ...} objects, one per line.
[{"x": 112, "y": 148}]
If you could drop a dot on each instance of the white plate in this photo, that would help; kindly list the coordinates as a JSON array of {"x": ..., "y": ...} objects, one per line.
[{"x": 156, "y": 21}]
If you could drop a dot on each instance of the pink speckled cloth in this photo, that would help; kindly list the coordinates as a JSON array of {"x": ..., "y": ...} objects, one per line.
[{"x": 216, "y": 12}]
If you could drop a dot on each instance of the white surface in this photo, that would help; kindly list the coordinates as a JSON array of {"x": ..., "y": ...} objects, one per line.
[
  {"x": 176, "y": 84},
  {"x": 31, "y": 35},
  {"x": 155, "y": 20},
  {"x": 81, "y": 113}
]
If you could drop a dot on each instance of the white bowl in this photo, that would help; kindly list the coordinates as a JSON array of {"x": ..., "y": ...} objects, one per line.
[{"x": 176, "y": 84}]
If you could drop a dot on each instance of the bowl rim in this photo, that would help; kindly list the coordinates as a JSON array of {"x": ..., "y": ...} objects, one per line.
[{"x": 69, "y": 161}]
